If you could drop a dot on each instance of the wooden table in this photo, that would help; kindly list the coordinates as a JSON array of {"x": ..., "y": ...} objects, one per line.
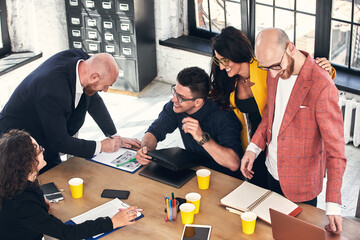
[{"x": 149, "y": 195}]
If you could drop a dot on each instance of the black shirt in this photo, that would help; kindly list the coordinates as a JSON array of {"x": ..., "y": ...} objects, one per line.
[
  {"x": 250, "y": 107},
  {"x": 26, "y": 217},
  {"x": 222, "y": 126}
]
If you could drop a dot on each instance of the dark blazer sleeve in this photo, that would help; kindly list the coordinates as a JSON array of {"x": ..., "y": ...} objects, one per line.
[
  {"x": 52, "y": 109},
  {"x": 101, "y": 115},
  {"x": 31, "y": 214}
]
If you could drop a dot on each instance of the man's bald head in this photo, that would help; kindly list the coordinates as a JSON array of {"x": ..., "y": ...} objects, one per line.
[
  {"x": 105, "y": 65},
  {"x": 98, "y": 73},
  {"x": 270, "y": 43}
]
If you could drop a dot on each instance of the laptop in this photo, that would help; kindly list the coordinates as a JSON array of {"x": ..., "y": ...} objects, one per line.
[
  {"x": 161, "y": 174},
  {"x": 176, "y": 158},
  {"x": 285, "y": 227}
]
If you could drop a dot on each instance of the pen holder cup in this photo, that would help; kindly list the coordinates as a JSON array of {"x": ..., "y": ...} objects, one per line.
[{"x": 171, "y": 213}]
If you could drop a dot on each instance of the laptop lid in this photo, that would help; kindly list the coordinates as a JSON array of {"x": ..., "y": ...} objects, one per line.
[
  {"x": 285, "y": 227},
  {"x": 167, "y": 176},
  {"x": 176, "y": 158}
]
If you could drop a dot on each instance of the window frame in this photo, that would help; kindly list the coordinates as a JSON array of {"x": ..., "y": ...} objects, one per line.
[
  {"x": 201, "y": 33},
  {"x": 322, "y": 27},
  {"x": 6, "y": 49}
]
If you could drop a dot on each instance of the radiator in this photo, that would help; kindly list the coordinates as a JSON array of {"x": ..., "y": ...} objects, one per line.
[{"x": 351, "y": 115}]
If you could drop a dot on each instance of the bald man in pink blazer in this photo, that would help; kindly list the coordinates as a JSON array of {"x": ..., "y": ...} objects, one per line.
[{"x": 302, "y": 127}]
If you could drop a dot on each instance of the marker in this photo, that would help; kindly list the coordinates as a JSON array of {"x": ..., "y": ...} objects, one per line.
[{"x": 131, "y": 160}]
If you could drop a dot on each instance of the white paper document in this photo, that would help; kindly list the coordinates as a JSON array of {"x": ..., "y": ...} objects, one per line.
[
  {"x": 108, "y": 209},
  {"x": 123, "y": 159}
]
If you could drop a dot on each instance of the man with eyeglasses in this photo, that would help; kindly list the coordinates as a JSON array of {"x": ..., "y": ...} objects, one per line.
[
  {"x": 204, "y": 128},
  {"x": 302, "y": 127}
]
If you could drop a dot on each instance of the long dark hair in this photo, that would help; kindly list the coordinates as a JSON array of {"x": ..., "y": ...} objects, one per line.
[
  {"x": 17, "y": 161},
  {"x": 231, "y": 43}
]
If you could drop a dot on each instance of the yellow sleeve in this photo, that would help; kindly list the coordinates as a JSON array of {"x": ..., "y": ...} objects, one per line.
[{"x": 333, "y": 73}]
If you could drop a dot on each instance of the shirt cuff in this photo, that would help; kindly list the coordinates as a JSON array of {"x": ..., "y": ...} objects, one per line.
[
  {"x": 333, "y": 208},
  {"x": 254, "y": 148},
  {"x": 98, "y": 148}
]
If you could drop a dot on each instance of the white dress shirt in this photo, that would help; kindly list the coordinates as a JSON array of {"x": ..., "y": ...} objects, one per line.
[{"x": 79, "y": 90}]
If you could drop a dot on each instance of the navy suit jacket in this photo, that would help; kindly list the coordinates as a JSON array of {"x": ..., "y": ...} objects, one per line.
[{"x": 43, "y": 105}]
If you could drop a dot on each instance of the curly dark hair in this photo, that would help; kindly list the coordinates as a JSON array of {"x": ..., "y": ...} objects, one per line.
[
  {"x": 233, "y": 44},
  {"x": 17, "y": 161}
]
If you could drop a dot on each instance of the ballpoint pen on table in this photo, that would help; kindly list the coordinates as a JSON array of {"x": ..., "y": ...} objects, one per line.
[{"x": 131, "y": 160}]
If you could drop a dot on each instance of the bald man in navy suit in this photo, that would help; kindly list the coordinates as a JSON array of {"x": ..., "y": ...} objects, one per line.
[{"x": 52, "y": 101}]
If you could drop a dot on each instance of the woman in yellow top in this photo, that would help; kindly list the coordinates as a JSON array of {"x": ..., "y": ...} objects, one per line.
[{"x": 238, "y": 84}]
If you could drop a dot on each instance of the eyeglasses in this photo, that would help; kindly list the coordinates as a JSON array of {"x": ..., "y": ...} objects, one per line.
[
  {"x": 223, "y": 61},
  {"x": 179, "y": 97},
  {"x": 41, "y": 149},
  {"x": 273, "y": 67}
]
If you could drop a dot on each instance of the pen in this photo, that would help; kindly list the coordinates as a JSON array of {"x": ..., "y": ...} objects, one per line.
[
  {"x": 109, "y": 136},
  {"x": 171, "y": 215},
  {"x": 138, "y": 209},
  {"x": 131, "y": 160},
  {"x": 167, "y": 208}
]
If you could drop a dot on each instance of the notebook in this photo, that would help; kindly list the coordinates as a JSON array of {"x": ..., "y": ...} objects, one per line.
[
  {"x": 108, "y": 209},
  {"x": 177, "y": 158},
  {"x": 51, "y": 192},
  {"x": 285, "y": 227},
  {"x": 249, "y": 197},
  {"x": 173, "y": 178}
]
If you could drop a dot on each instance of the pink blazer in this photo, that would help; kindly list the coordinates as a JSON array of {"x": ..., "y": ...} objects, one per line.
[{"x": 311, "y": 136}]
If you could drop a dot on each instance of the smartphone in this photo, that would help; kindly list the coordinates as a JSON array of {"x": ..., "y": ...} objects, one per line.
[
  {"x": 111, "y": 193},
  {"x": 198, "y": 232}
]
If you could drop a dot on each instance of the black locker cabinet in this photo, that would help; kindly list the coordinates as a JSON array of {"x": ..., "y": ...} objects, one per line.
[{"x": 123, "y": 28}]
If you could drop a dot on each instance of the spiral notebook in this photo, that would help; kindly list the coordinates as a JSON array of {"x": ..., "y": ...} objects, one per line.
[{"x": 249, "y": 197}]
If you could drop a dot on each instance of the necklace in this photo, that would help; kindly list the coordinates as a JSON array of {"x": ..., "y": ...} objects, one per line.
[{"x": 243, "y": 79}]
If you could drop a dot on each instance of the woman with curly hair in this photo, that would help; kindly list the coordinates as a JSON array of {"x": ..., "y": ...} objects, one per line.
[
  {"x": 24, "y": 213},
  {"x": 238, "y": 84}
]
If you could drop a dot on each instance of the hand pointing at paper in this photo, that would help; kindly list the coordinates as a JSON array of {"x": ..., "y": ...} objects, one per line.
[{"x": 114, "y": 143}]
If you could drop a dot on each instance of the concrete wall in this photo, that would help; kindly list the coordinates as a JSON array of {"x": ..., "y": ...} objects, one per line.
[
  {"x": 171, "y": 21},
  {"x": 40, "y": 26}
]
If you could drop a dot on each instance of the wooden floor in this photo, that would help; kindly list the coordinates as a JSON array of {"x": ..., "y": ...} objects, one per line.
[{"x": 133, "y": 115}]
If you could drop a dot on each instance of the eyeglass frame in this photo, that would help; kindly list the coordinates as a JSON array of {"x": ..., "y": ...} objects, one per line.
[
  {"x": 41, "y": 150},
  {"x": 179, "y": 97},
  {"x": 218, "y": 61},
  {"x": 274, "y": 66}
]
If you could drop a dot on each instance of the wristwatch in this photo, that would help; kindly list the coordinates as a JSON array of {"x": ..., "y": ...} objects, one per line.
[{"x": 205, "y": 139}]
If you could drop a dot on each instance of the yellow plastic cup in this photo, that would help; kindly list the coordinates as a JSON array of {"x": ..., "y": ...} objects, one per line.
[
  {"x": 248, "y": 220},
  {"x": 187, "y": 213},
  {"x": 76, "y": 187},
  {"x": 203, "y": 177},
  {"x": 194, "y": 198}
]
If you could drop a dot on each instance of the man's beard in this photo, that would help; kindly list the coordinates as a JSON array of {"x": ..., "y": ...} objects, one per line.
[
  {"x": 286, "y": 73},
  {"x": 89, "y": 90}
]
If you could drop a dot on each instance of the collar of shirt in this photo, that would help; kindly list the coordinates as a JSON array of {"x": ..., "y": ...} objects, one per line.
[{"x": 78, "y": 88}]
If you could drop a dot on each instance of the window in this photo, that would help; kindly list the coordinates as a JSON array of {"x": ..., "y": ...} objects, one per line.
[
  {"x": 296, "y": 18},
  {"x": 5, "y": 46},
  {"x": 210, "y": 16},
  {"x": 345, "y": 33},
  {"x": 320, "y": 27}
]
